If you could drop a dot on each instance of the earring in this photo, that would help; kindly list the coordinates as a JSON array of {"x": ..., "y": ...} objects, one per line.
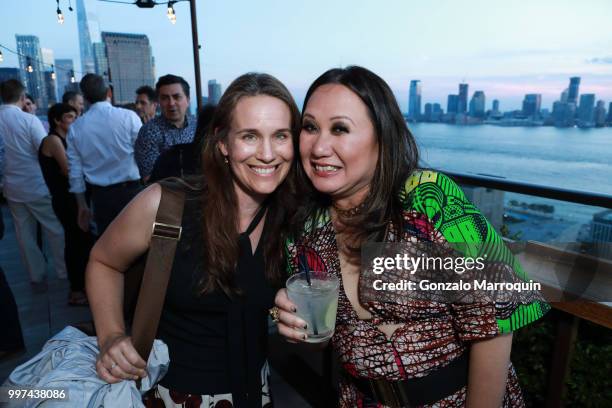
[{"x": 226, "y": 160}]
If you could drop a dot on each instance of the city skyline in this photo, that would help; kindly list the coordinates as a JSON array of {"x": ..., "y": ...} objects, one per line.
[{"x": 456, "y": 43}]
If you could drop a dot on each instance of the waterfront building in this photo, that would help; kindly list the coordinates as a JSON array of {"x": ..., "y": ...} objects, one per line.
[
  {"x": 87, "y": 55},
  {"x": 100, "y": 61},
  {"x": 428, "y": 112},
  {"x": 586, "y": 110},
  {"x": 599, "y": 116},
  {"x": 609, "y": 119},
  {"x": 64, "y": 69},
  {"x": 129, "y": 63},
  {"x": 214, "y": 92},
  {"x": 477, "y": 105},
  {"x": 10, "y": 73},
  {"x": 563, "y": 114},
  {"x": 414, "y": 101},
  {"x": 451, "y": 104},
  {"x": 462, "y": 101},
  {"x": 30, "y": 61},
  {"x": 531, "y": 105},
  {"x": 437, "y": 113},
  {"x": 573, "y": 90}
]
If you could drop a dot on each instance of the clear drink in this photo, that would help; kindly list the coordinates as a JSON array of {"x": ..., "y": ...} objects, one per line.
[{"x": 317, "y": 303}]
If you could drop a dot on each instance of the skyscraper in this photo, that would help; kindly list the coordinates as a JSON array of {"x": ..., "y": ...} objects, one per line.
[
  {"x": 437, "y": 112},
  {"x": 599, "y": 116},
  {"x": 48, "y": 61},
  {"x": 532, "y": 105},
  {"x": 129, "y": 64},
  {"x": 30, "y": 59},
  {"x": 451, "y": 104},
  {"x": 495, "y": 107},
  {"x": 573, "y": 89},
  {"x": 214, "y": 92},
  {"x": 414, "y": 101},
  {"x": 609, "y": 119},
  {"x": 63, "y": 69},
  {"x": 428, "y": 112},
  {"x": 462, "y": 101},
  {"x": 100, "y": 61},
  {"x": 87, "y": 57},
  {"x": 586, "y": 109},
  {"x": 477, "y": 105}
]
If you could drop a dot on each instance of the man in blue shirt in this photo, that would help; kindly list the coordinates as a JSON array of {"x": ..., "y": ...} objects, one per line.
[{"x": 173, "y": 126}]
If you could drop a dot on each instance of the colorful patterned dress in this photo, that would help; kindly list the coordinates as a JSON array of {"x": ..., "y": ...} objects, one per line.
[{"x": 431, "y": 334}]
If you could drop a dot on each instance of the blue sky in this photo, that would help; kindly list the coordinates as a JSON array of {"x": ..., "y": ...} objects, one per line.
[{"x": 506, "y": 49}]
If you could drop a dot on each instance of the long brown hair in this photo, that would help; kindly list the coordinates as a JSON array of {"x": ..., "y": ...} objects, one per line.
[
  {"x": 220, "y": 201},
  {"x": 397, "y": 158}
]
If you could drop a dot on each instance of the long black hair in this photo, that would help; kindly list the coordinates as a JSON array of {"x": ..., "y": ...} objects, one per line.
[{"x": 397, "y": 156}]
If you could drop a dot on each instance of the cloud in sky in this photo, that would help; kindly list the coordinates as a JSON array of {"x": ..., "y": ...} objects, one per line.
[{"x": 600, "y": 60}]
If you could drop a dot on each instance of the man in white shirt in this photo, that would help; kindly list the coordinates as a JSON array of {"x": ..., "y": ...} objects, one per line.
[
  {"x": 24, "y": 187},
  {"x": 101, "y": 155}
]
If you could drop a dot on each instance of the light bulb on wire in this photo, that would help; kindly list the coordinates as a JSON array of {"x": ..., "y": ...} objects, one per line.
[
  {"x": 171, "y": 14},
  {"x": 52, "y": 72},
  {"x": 60, "y": 16},
  {"x": 72, "y": 78},
  {"x": 1, "y": 56},
  {"x": 29, "y": 67}
]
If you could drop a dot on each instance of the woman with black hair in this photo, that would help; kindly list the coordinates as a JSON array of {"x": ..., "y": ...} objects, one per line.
[
  {"x": 54, "y": 166},
  {"x": 359, "y": 167}
]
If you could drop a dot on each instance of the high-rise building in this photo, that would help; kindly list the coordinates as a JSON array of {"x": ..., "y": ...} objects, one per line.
[
  {"x": 574, "y": 88},
  {"x": 414, "y": 101},
  {"x": 609, "y": 119},
  {"x": 451, "y": 104},
  {"x": 10, "y": 73},
  {"x": 495, "y": 107},
  {"x": 87, "y": 56},
  {"x": 462, "y": 102},
  {"x": 100, "y": 61},
  {"x": 63, "y": 74},
  {"x": 532, "y": 105},
  {"x": 477, "y": 105},
  {"x": 214, "y": 92},
  {"x": 428, "y": 112},
  {"x": 563, "y": 114},
  {"x": 599, "y": 116},
  {"x": 586, "y": 109},
  {"x": 30, "y": 61},
  {"x": 564, "y": 95},
  {"x": 129, "y": 64}
]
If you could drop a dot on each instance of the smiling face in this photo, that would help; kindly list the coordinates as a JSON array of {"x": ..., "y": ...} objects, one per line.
[
  {"x": 338, "y": 144},
  {"x": 259, "y": 147}
]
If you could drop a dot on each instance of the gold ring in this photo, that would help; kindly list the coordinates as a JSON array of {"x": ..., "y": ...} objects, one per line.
[{"x": 275, "y": 314}]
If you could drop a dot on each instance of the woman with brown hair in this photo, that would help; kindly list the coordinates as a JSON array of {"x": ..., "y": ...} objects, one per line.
[{"x": 228, "y": 261}]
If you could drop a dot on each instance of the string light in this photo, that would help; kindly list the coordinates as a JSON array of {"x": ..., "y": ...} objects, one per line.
[
  {"x": 1, "y": 56},
  {"x": 52, "y": 72},
  {"x": 171, "y": 14},
  {"x": 72, "y": 78},
  {"x": 29, "y": 67},
  {"x": 60, "y": 16}
]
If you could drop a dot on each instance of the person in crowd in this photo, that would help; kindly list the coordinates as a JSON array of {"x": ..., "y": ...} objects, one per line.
[
  {"x": 146, "y": 102},
  {"x": 101, "y": 153},
  {"x": 185, "y": 158},
  {"x": 74, "y": 99},
  {"x": 30, "y": 105},
  {"x": 24, "y": 188},
  {"x": 173, "y": 126},
  {"x": 11, "y": 341},
  {"x": 359, "y": 165},
  {"x": 228, "y": 260},
  {"x": 54, "y": 165}
]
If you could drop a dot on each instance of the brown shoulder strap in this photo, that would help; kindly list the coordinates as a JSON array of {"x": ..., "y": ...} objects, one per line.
[{"x": 166, "y": 234}]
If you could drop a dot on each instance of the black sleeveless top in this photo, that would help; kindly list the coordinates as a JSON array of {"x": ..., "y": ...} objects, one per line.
[
  {"x": 56, "y": 182},
  {"x": 217, "y": 344}
]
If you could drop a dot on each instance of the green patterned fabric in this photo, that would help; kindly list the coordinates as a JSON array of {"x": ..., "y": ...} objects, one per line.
[{"x": 443, "y": 202}]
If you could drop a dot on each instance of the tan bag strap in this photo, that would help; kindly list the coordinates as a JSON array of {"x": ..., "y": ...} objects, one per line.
[{"x": 167, "y": 231}]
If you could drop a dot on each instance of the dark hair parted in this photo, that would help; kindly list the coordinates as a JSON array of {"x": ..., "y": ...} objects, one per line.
[
  {"x": 69, "y": 96},
  {"x": 11, "y": 90},
  {"x": 94, "y": 88},
  {"x": 220, "y": 201},
  {"x": 56, "y": 112},
  {"x": 170, "y": 79},
  {"x": 397, "y": 157},
  {"x": 147, "y": 90}
]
